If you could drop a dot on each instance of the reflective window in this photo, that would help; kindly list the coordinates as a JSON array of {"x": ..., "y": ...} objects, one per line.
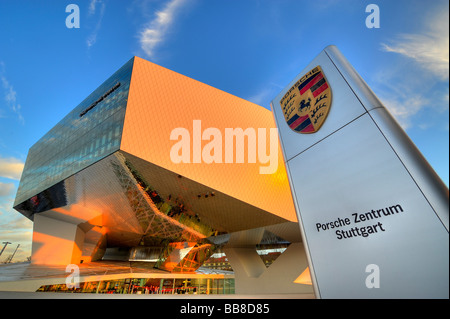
[
  {"x": 78, "y": 141},
  {"x": 166, "y": 286}
]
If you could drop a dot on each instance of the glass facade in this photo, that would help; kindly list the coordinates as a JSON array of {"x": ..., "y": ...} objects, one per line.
[
  {"x": 87, "y": 134},
  {"x": 164, "y": 286}
]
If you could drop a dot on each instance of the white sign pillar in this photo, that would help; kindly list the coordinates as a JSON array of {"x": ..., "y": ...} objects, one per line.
[{"x": 373, "y": 213}]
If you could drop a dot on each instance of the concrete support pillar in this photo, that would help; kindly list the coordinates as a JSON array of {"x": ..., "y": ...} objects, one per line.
[
  {"x": 252, "y": 276},
  {"x": 56, "y": 242},
  {"x": 245, "y": 261}
]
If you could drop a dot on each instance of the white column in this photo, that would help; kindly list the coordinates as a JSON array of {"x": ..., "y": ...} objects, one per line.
[{"x": 56, "y": 242}]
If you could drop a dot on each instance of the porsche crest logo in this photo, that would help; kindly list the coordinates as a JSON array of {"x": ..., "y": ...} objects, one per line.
[{"x": 307, "y": 103}]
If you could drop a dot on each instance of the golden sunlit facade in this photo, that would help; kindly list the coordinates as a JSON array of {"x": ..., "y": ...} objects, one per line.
[{"x": 103, "y": 186}]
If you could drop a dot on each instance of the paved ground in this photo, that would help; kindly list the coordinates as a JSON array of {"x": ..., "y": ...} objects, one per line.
[
  {"x": 26, "y": 271},
  {"x": 55, "y": 295}
]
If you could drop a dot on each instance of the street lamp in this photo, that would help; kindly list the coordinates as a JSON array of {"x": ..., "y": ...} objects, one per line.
[{"x": 6, "y": 244}]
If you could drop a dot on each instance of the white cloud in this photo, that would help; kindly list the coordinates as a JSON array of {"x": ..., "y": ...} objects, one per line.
[
  {"x": 414, "y": 92},
  {"x": 266, "y": 95},
  {"x": 92, "y": 5},
  {"x": 10, "y": 97},
  {"x": 11, "y": 168},
  {"x": 404, "y": 110},
  {"x": 156, "y": 30},
  {"x": 261, "y": 97},
  {"x": 92, "y": 38},
  {"x": 15, "y": 223},
  {"x": 431, "y": 48},
  {"x": 6, "y": 189}
]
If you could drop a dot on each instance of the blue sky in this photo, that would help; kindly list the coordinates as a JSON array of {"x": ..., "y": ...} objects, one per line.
[{"x": 249, "y": 48}]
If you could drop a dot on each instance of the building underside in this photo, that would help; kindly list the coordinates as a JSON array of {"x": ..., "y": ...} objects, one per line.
[{"x": 138, "y": 212}]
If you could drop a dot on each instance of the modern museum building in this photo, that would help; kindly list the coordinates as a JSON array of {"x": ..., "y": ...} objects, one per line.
[
  {"x": 106, "y": 193},
  {"x": 159, "y": 184}
]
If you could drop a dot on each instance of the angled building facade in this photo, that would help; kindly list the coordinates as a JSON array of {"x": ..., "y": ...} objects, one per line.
[{"x": 101, "y": 186}]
